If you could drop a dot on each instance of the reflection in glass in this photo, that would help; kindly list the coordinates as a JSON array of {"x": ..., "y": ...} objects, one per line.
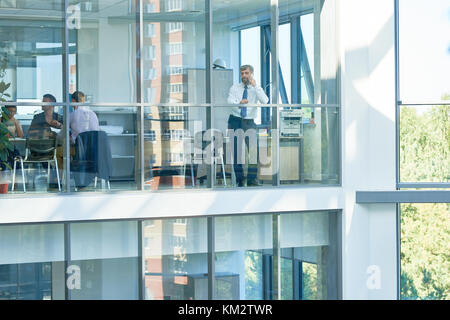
[
  {"x": 424, "y": 251},
  {"x": 243, "y": 149},
  {"x": 309, "y": 251},
  {"x": 175, "y": 259},
  {"x": 173, "y": 57},
  {"x": 176, "y": 144},
  {"x": 39, "y": 156},
  {"x": 32, "y": 262},
  {"x": 103, "y": 50},
  {"x": 309, "y": 145},
  {"x": 234, "y": 20},
  {"x": 104, "y": 156},
  {"x": 424, "y": 143},
  {"x": 106, "y": 257},
  {"x": 243, "y": 255},
  {"x": 306, "y": 74},
  {"x": 31, "y": 49}
]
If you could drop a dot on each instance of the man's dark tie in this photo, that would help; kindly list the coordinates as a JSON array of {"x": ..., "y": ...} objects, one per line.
[{"x": 244, "y": 97}]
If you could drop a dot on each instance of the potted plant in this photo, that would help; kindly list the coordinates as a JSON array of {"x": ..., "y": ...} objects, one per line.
[{"x": 6, "y": 146}]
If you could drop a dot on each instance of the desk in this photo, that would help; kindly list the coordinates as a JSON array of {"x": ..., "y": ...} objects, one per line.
[{"x": 291, "y": 160}]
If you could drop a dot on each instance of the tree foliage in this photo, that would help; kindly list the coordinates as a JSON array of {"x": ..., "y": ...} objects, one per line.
[
  {"x": 5, "y": 145},
  {"x": 425, "y": 157}
]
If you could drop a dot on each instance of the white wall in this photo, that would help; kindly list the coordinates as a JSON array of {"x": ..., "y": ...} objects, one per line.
[{"x": 368, "y": 139}]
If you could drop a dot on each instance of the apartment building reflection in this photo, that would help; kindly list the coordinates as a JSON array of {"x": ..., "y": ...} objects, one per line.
[{"x": 165, "y": 59}]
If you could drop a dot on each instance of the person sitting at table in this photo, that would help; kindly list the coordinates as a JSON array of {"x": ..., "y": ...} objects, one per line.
[
  {"x": 42, "y": 123},
  {"x": 82, "y": 119},
  {"x": 13, "y": 125}
]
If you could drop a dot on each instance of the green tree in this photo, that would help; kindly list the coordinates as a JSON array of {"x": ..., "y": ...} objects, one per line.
[{"x": 425, "y": 157}]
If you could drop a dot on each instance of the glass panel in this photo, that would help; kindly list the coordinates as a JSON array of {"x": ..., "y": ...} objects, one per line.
[
  {"x": 284, "y": 56},
  {"x": 424, "y": 144},
  {"x": 308, "y": 27},
  {"x": 32, "y": 262},
  {"x": 243, "y": 257},
  {"x": 307, "y": 59},
  {"x": 243, "y": 147},
  {"x": 104, "y": 148},
  {"x": 174, "y": 51},
  {"x": 229, "y": 53},
  {"x": 250, "y": 51},
  {"x": 175, "y": 147},
  {"x": 309, "y": 145},
  {"x": 287, "y": 278},
  {"x": 424, "y": 251},
  {"x": 102, "y": 42},
  {"x": 36, "y": 133},
  {"x": 312, "y": 238},
  {"x": 31, "y": 49},
  {"x": 105, "y": 255},
  {"x": 309, "y": 281},
  {"x": 175, "y": 259},
  {"x": 424, "y": 55}
]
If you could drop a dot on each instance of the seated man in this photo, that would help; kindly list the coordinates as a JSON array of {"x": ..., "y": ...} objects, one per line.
[
  {"x": 42, "y": 123},
  {"x": 41, "y": 128},
  {"x": 82, "y": 119}
]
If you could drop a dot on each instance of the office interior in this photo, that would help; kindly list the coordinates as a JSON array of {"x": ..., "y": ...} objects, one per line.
[
  {"x": 144, "y": 67},
  {"x": 159, "y": 66}
]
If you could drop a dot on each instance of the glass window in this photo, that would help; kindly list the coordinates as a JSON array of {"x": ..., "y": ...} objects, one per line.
[
  {"x": 31, "y": 49},
  {"x": 308, "y": 75},
  {"x": 106, "y": 257},
  {"x": 424, "y": 143},
  {"x": 150, "y": 30},
  {"x": 104, "y": 148},
  {"x": 175, "y": 147},
  {"x": 309, "y": 252},
  {"x": 36, "y": 133},
  {"x": 234, "y": 21},
  {"x": 309, "y": 145},
  {"x": 179, "y": 40},
  {"x": 423, "y": 53},
  {"x": 149, "y": 53},
  {"x": 176, "y": 259},
  {"x": 424, "y": 251},
  {"x": 103, "y": 42},
  {"x": 243, "y": 255},
  {"x": 32, "y": 262}
]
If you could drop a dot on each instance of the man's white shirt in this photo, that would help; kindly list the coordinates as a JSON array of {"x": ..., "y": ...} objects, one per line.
[
  {"x": 255, "y": 94},
  {"x": 82, "y": 120}
]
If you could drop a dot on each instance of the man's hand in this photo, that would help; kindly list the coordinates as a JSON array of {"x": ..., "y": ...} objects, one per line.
[
  {"x": 252, "y": 81},
  {"x": 56, "y": 124},
  {"x": 244, "y": 101}
]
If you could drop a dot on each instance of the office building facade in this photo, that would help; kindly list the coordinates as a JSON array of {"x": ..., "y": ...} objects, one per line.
[{"x": 172, "y": 221}]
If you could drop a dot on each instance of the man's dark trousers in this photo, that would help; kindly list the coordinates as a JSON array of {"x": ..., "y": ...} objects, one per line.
[{"x": 244, "y": 124}]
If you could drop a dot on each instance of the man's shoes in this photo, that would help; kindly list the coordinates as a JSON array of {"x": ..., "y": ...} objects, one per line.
[
  {"x": 240, "y": 184},
  {"x": 253, "y": 183}
]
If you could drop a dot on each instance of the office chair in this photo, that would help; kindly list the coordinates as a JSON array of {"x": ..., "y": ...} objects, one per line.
[
  {"x": 92, "y": 159},
  {"x": 216, "y": 157},
  {"x": 37, "y": 151}
]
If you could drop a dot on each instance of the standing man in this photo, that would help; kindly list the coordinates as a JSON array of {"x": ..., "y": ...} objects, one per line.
[{"x": 242, "y": 117}]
